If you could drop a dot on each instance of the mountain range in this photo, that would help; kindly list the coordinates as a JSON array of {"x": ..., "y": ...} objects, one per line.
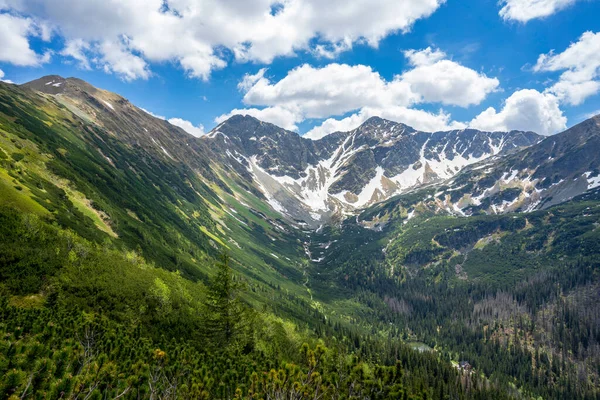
[
  {"x": 471, "y": 244},
  {"x": 317, "y": 181}
]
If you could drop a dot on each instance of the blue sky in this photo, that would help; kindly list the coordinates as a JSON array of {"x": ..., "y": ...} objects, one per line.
[{"x": 474, "y": 62}]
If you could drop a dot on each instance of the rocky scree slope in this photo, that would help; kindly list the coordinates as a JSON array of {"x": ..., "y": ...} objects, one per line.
[
  {"x": 315, "y": 181},
  {"x": 554, "y": 171}
]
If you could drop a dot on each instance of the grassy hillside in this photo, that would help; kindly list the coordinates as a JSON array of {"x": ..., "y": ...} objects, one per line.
[
  {"x": 509, "y": 293},
  {"x": 111, "y": 284},
  {"x": 88, "y": 179}
]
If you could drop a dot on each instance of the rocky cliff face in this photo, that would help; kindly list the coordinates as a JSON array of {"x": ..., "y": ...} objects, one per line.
[
  {"x": 348, "y": 171},
  {"x": 315, "y": 182},
  {"x": 556, "y": 170},
  {"x": 551, "y": 172}
]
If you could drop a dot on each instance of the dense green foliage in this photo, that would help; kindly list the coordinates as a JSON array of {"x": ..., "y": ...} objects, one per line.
[
  {"x": 111, "y": 283},
  {"x": 107, "y": 324},
  {"x": 515, "y": 295}
]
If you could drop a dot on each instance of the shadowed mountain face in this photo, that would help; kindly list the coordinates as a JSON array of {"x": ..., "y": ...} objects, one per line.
[
  {"x": 93, "y": 162},
  {"x": 551, "y": 172},
  {"x": 348, "y": 171},
  {"x": 126, "y": 122},
  {"x": 315, "y": 182},
  {"x": 367, "y": 239}
]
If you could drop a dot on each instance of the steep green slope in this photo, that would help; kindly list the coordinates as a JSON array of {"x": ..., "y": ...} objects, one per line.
[
  {"x": 107, "y": 274},
  {"x": 89, "y": 176},
  {"x": 111, "y": 224}
]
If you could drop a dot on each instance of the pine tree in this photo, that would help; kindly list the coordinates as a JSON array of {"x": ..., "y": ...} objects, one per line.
[{"x": 225, "y": 311}]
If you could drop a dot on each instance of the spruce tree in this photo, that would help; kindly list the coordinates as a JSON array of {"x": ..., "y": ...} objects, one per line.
[{"x": 225, "y": 311}]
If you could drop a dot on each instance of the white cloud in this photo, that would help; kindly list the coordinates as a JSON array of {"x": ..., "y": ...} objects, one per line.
[
  {"x": 14, "y": 41},
  {"x": 116, "y": 58},
  {"x": 151, "y": 113},
  {"x": 435, "y": 79},
  {"x": 581, "y": 65},
  {"x": 2, "y": 78},
  {"x": 332, "y": 90},
  {"x": 426, "y": 56},
  {"x": 418, "y": 119},
  {"x": 193, "y": 33},
  {"x": 338, "y": 89},
  {"x": 527, "y": 110},
  {"x": 331, "y": 51},
  {"x": 574, "y": 93},
  {"x": 525, "y": 10},
  {"x": 276, "y": 115},
  {"x": 188, "y": 126},
  {"x": 77, "y": 49},
  {"x": 591, "y": 114},
  {"x": 250, "y": 80},
  {"x": 331, "y": 125},
  {"x": 182, "y": 123}
]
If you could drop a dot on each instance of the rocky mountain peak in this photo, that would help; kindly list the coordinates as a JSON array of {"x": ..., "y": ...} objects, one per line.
[
  {"x": 348, "y": 171},
  {"x": 51, "y": 84},
  {"x": 373, "y": 121},
  {"x": 246, "y": 127},
  {"x": 380, "y": 129},
  {"x": 55, "y": 84}
]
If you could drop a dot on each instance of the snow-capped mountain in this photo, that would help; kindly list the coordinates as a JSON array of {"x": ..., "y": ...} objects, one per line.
[
  {"x": 551, "y": 172},
  {"x": 548, "y": 173},
  {"x": 344, "y": 172}
]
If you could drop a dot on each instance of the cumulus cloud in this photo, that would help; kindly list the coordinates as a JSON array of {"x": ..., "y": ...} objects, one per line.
[
  {"x": 332, "y": 90},
  {"x": 435, "y": 79},
  {"x": 182, "y": 123},
  {"x": 250, "y": 80},
  {"x": 77, "y": 49},
  {"x": 338, "y": 89},
  {"x": 525, "y": 10},
  {"x": 590, "y": 114},
  {"x": 427, "y": 56},
  {"x": 153, "y": 114},
  {"x": 187, "y": 126},
  {"x": 193, "y": 33},
  {"x": 14, "y": 40},
  {"x": 527, "y": 110},
  {"x": 581, "y": 65},
  {"x": 116, "y": 58},
  {"x": 331, "y": 51}
]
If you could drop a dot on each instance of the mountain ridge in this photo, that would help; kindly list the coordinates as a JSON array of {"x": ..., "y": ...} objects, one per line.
[
  {"x": 112, "y": 215},
  {"x": 314, "y": 182},
  {"x": 320, "y": 180}
]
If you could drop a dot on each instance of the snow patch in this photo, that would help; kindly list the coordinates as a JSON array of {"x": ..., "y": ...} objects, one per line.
[
  {"x": 166, "y": 152},
  {"x": 593, "y": 182},
  {"x": 410, "y": 216},
  {"x": 108, "y": 105}
]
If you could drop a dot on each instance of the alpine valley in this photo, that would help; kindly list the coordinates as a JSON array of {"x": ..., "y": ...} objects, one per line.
[{"x": 138, "y": 261}]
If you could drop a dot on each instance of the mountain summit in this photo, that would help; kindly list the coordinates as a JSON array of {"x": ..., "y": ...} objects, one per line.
[
  {"x": 482, "y": 247},
  {"x": 347, "y": 171},
  {"x": 315, "y": 182}
]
